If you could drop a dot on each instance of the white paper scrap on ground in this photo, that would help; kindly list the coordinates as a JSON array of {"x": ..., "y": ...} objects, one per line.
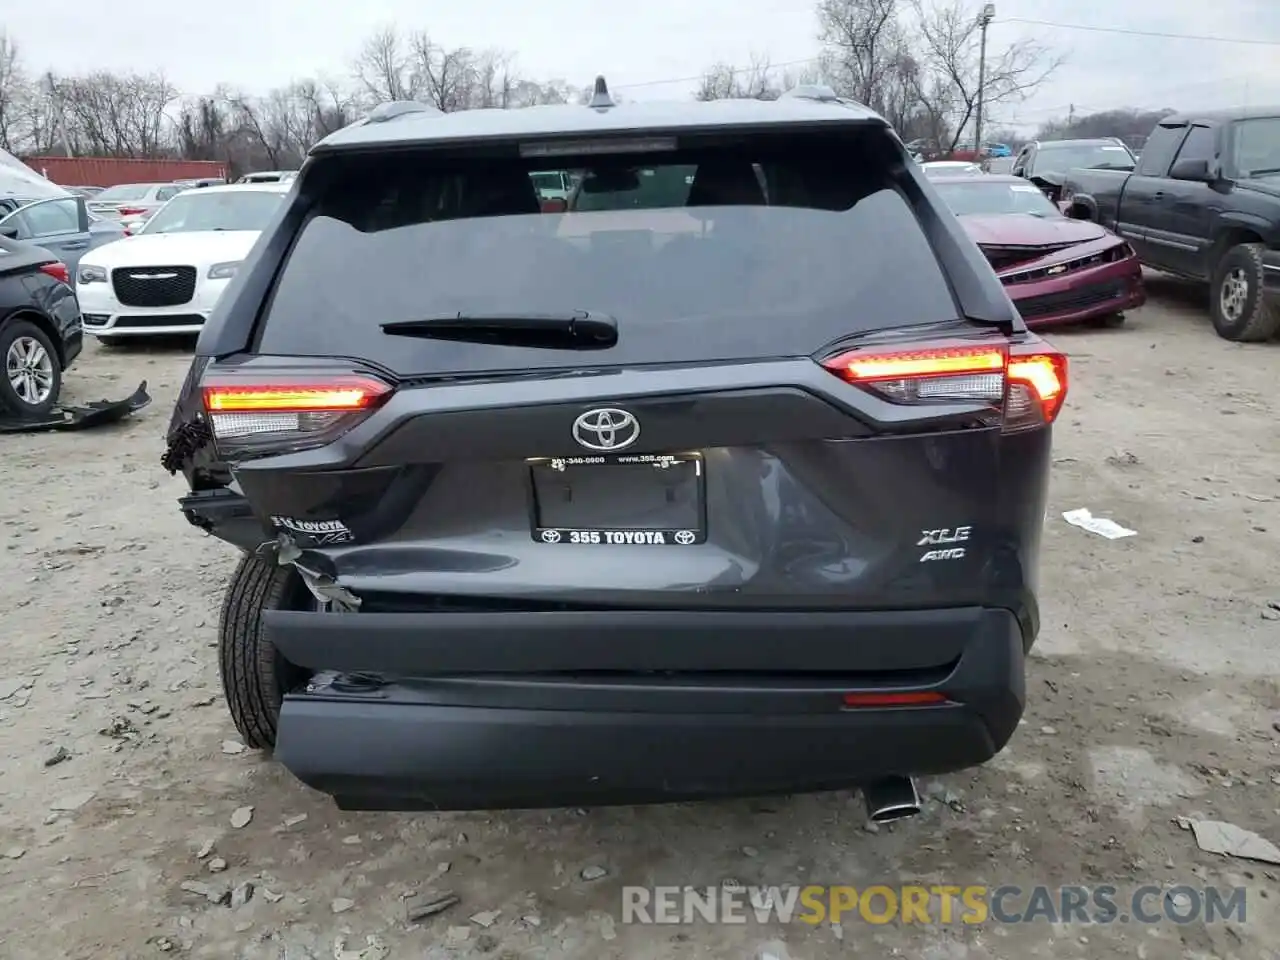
[
  {"x": 1103, "y": 527},
  {"x": 1214, "y": 836}
]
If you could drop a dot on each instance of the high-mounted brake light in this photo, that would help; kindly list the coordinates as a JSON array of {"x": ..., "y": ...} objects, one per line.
[
  {"x": 1024, "y": 385},
  {"x": 287, "y": 413}
]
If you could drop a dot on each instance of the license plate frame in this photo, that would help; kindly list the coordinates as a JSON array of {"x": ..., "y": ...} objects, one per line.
[{"x": 561, "y": 469}]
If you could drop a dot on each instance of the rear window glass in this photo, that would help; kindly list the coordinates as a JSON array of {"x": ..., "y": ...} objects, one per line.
[
  {"x": 986, "y": 197},
  {"x": 1063, "y": 157},
  {"x": 204, "y": 210},
  {"x": 763, "y": 247},
  {"x": 128, "y": 191}
]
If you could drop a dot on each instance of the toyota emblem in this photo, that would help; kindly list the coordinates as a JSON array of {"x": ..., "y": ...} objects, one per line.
[{"x": 606, "y": 429}]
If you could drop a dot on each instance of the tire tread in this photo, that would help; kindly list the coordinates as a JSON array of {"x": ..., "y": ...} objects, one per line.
[
  {"x": 246, "y": 659},
  {"x": 1263, "y": 322}
]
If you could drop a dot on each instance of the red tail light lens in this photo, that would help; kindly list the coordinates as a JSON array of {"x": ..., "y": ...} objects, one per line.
[
  {"x": 58, "y": 271},
  {"x": 1025, "y": 383},
  {"x": 287, "y": 413},
  {"x": 1037, "y": 386},
  {"x": 131, "y": 211}
]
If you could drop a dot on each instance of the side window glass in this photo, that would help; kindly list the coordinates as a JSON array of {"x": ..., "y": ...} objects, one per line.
[
  {"x": 1158, "y": 151},
  {"x": 16, "y": 220},
  {"x": 1201, "y": 144},
  {"x": 51, "y": 217},
  {"x": 166, "y": 193}
]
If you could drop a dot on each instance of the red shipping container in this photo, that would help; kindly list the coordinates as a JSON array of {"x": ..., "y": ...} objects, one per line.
[{"x": 111, "y": 171}]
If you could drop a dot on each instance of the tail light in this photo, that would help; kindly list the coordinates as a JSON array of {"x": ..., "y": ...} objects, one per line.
[
  {"x": 285, "y": 413},
  {"x": 58, "y": 271},
  {"x": 1024, "y": 383},
  {"x": 131, "y": 211}
]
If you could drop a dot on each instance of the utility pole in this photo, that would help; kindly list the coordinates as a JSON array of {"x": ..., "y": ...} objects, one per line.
[
  {"x": 58, "y": 115},
  {"x": 984, "y": 20}
]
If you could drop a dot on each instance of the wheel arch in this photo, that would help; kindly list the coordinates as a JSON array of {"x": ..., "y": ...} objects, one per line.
[
  {"x": 44, "y": 324},
  {"x": 1229, "y": 237}
]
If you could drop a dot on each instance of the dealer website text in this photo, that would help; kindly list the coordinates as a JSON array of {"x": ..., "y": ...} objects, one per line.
[{"x": 938, "y": 904}]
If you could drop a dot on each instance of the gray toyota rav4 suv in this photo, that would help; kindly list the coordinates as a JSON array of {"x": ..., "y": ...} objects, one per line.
[{"x": 728, "y": 481}]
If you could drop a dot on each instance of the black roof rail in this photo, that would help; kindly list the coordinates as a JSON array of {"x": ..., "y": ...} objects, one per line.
[
  {"x": 398, "y": 108},
  {"x": 812, "y": 91}
]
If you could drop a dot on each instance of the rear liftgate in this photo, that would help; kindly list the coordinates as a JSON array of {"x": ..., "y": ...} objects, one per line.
[{"x": 573, "y": 499}]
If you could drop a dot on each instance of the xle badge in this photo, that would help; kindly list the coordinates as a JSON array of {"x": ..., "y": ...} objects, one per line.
[{"x": 943, "y": 538}]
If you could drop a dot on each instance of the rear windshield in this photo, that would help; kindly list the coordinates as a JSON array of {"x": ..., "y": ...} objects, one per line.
[
  {"x": 548, "y": 181},
  {"x": 202, "y": 210},
  {"x": 985, "y": 196},
  {"x": 759, "y": 247},
  {"x": 126, "y": 191},
  {"x": 1099, "y": 156}
]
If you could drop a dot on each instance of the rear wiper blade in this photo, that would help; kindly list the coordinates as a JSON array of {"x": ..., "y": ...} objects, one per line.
[{"x": 577, "y": 330}]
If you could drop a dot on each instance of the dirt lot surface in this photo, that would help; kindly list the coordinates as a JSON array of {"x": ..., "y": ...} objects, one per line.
[{"x": 1152, "y": 695}]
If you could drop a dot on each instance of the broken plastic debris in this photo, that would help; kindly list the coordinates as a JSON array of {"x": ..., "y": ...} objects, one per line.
[
  {"x": 375, "y": 949},
  {"x": 1215, "y": 836},
  {"x": 1103, "y": 527}
]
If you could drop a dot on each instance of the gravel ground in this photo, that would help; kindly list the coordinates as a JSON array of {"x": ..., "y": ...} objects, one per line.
[{"x": 1152, "y": 695}]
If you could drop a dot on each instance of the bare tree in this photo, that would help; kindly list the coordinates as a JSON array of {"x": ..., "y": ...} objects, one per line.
[
  {"x": 110, "y": 115},
  {"x": 382, "y": 70},
  {"x": 1129, "y": 124},
  {"x": 755, "y": 81},
  {"x": 949, "y": 50},
  {"x": 15, "y": 94},
  {"x": 864, "y": 41},
  {"x": 126, "y": 115}
]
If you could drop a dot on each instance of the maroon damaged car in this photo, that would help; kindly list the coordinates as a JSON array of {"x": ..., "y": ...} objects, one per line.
[{"x": 1056, "y": 270}]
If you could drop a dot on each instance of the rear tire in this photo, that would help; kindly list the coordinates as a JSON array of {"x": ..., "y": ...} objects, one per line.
[
  {"x": 1237, "y": 304},
  {"x": 255, "y": 677}
]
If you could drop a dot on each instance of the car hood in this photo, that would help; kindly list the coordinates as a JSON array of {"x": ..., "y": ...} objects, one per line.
[
  {"x": 1270, "y": 185},
  {"x": 1024, "y": 230},
  {"x": 176, "y": 249}
]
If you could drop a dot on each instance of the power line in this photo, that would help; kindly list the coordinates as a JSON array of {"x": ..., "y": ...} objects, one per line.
[
  {"x": 733, "y": 71},
  {"x": 1206, "y": 38},
  {"x": 1122, "y": 31}
]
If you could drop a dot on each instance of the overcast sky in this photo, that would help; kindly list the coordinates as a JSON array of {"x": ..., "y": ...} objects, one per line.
[{"x": 256, "y": 44}]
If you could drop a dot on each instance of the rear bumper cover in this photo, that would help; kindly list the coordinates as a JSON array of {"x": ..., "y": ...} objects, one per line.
[{"x": 534, "y": 709}]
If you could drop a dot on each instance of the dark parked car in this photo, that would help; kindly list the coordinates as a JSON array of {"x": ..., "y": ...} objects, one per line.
[
  {"x": 735, "y": 489},
  {"x": 1203, "y": 203},
  {"x": 1046, "y": 162},
  {"x": 40, "y": 330},
  {"x": 1057, "y": 270}
]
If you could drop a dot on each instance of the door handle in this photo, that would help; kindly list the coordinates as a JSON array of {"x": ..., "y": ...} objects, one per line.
[
  {"x": 1158, "y": 195},
  {"x": 76, "y": 245}
]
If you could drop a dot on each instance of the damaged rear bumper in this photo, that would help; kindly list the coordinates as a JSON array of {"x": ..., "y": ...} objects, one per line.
[{"x": 529, "y": 709}]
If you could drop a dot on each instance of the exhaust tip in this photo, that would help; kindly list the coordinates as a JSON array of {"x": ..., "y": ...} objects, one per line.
[{"x": 894, "y": 798}]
